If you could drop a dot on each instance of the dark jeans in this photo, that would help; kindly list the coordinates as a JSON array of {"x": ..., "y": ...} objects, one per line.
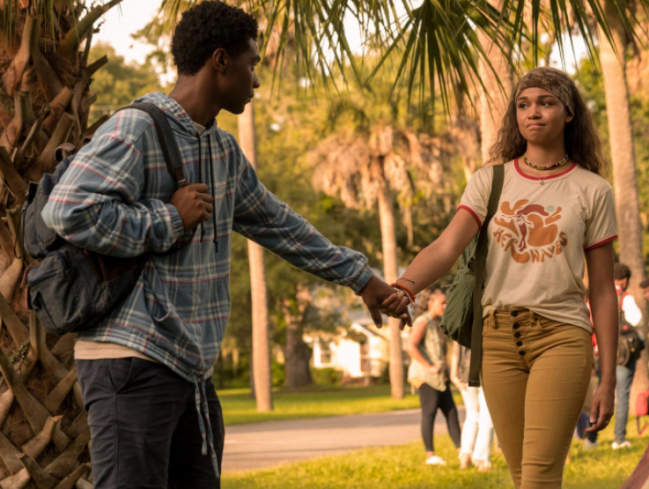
[
  {"x": 624, "y": 376},
  {"x": 144, "y": 426},
  {"x": 432, "y": 400}
]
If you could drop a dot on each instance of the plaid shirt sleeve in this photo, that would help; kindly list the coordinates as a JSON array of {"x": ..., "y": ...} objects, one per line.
[
  {"x": 97, "y": 203},
  {"x": 262, "y": 217}
]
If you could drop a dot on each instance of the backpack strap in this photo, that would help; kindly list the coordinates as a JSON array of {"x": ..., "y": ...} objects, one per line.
[
  {"x": 167, "y": 140},
  {"x": 479, "y": 267}
]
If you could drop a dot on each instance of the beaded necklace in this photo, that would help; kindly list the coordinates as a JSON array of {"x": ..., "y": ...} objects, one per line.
[{"x": 546, "y": 168}]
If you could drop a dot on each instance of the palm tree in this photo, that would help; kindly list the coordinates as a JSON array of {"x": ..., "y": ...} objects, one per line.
[
  {"x": 45, "y": 101},
  {"x": 261, "y": 360},
  {"x": 613, "y": 61},
  {"x": 372, "y": 168}
]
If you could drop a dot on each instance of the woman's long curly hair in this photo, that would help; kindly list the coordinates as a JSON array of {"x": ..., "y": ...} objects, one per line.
[{"x": 581, "y": 137}]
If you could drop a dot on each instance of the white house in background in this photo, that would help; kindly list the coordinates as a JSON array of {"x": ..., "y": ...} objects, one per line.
[{"x": 358, "y": 352}]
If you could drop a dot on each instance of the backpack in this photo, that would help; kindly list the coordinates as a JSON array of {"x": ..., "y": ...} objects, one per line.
[
  {"x": 629, "y": 343},
  {"x": 72, "y": 288},
  {"x": 462, "y": 319}
]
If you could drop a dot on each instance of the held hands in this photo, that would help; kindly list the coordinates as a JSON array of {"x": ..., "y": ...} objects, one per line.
[
  {"x": 193, "y": 203},
  {"x": 396, "y": 305},
  {"x": 373, "y": 294},
  {"x": 601, "y": 411}
]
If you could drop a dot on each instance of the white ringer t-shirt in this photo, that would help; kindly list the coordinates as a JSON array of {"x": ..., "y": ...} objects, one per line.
[{"x": 539, "y": 236}]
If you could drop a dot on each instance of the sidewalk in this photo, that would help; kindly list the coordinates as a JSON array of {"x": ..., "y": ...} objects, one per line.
[{"x": 261, "y": 445}]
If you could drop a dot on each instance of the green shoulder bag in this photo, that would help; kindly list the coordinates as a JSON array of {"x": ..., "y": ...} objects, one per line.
[{"x": 462, "y": 320}]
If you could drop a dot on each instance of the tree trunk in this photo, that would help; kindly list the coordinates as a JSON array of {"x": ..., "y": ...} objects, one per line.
[
  {"x": 624, "y": 168},
  {"x": 297, "y": 354},
  {"x": 262, "y": 372},
  {"x": 45, "y": 100},
  {"x": 494, "y": 98},
  {"x": 389, "y": 240}
]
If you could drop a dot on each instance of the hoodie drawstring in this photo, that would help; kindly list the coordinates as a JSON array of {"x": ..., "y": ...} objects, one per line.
[
  {"x": 211, "y": 163},
  {"x": 200, "y": 176},
  {"x": 204, "y": 423}
]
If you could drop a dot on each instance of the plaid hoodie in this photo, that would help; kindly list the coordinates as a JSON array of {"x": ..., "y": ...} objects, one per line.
[{"x": 114, "y": 199}]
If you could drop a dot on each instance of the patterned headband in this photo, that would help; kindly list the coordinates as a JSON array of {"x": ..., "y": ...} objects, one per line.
[{"x": 554, "y": 81}]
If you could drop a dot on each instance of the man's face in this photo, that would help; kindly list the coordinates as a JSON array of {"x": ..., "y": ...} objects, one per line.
[
  {"x": 237, "y": 83},
  {"x": 645, "y": 291}
]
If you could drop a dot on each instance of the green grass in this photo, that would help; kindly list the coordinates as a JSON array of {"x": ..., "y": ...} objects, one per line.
[
  {"x": 402, "y": 467},
  {"x": 314, "y": 402}
]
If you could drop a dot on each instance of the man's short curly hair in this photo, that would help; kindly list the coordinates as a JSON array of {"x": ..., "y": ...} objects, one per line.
[{"x": 206, "y": 27}]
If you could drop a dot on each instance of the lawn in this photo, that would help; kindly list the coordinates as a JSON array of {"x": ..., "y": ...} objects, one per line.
[
  {"x": 314, "y": 402},
  {"x": 402, "y": 467}
]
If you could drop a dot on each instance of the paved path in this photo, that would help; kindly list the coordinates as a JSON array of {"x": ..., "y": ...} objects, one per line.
[{"x": 260, "y": 445}]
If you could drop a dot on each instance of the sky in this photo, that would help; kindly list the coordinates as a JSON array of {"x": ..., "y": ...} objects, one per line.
[
  {"x": 132, "y": 15},
  {"x": 124, "y": 20}
]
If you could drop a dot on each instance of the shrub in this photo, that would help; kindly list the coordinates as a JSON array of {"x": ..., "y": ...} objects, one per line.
[{"x": 326, "y": 376}]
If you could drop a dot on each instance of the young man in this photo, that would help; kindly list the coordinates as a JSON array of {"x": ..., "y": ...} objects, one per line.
[
  {"x": 624, "y": 373},
  {"x": 145, "y": 371}
]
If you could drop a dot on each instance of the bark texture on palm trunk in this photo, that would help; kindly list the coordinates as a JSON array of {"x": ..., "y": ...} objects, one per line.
[
  {"x": 260, "y": 325},
  {"x": 388, "y": 236},
  {"x": 613, "y": 60},
  {"x": 44, "y": 102}
]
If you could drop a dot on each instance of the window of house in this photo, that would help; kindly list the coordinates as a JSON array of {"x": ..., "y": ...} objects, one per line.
[{"x": 325, "y": 352}]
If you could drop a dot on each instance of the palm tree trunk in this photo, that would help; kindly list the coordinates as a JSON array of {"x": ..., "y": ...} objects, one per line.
[
  {"x": 389, "y": 240},
  {"x": 260, "y": 331},
  {"x": 494, "y": 96},
  {"x": 613, "y": 60}
]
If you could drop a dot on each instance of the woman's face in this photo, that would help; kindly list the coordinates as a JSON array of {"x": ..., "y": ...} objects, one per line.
[{"x": 541, "y": 117}]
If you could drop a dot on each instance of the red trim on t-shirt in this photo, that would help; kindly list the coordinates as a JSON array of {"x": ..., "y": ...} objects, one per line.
[
  {"x": 529, "y": 177},
  {"x": 471, "y": 211},
  {"x": 601, "y": 243}
]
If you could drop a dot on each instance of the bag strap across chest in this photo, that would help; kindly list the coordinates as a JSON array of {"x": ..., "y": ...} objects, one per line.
[{"x": 166, "y": 138}]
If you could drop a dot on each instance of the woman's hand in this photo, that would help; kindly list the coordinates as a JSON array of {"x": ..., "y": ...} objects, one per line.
[
  {"x": 436, "y": 368},
  {"x": 462, "y": 386},
  {"x": 602, "y": 408},
  {"x": 395, "y": 305}
]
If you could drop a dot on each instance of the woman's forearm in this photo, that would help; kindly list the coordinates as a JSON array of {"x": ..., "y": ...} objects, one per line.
[
  {"x": 438, "y": 257},
  {"x": 416, "y": 355},
  {"x": 606, "y": 324}
]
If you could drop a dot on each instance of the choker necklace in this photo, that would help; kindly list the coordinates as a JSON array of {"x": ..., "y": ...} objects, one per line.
[{"x": 546, "y": 168}]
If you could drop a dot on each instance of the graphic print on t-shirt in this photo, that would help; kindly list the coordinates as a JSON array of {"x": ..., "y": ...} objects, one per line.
[{"x": 528, "y": 231}]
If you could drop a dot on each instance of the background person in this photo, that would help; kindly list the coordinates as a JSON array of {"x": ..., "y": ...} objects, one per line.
[
  {"x": 428, "y": 373},
  {"x": 624, "y": 373},
  {"x": 478, "y": 429}
]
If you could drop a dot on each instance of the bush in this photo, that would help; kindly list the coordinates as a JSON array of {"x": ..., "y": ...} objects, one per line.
[
  {"x": 326, "y": 376},
  {"x": 279, "y": 376}
]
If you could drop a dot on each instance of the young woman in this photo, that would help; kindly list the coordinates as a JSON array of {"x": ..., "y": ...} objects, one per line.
[
  {"x": 555, "y": 212},
  {"x": 478, "y": 429},
  {"x": 428, "y": 373}
]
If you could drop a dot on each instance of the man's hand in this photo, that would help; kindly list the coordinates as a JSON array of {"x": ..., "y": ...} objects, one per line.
[
  {"x": 375, "y": 292},
  {"x": 194, "y": 204}
]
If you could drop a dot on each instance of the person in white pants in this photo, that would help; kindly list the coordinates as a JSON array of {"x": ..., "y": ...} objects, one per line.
[{"x": 478, "y": 430}]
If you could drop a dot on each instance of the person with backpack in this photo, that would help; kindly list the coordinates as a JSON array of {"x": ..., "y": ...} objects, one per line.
[
  {"x": 630, "y": 319},
  {"x": 428, "y": 373},
  {"x": 552, "y": 213},
  {"x": 145, "y": 369}
]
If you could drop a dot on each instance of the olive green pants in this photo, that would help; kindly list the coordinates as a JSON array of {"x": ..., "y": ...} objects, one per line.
[{"x": 535, "y": 374}]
